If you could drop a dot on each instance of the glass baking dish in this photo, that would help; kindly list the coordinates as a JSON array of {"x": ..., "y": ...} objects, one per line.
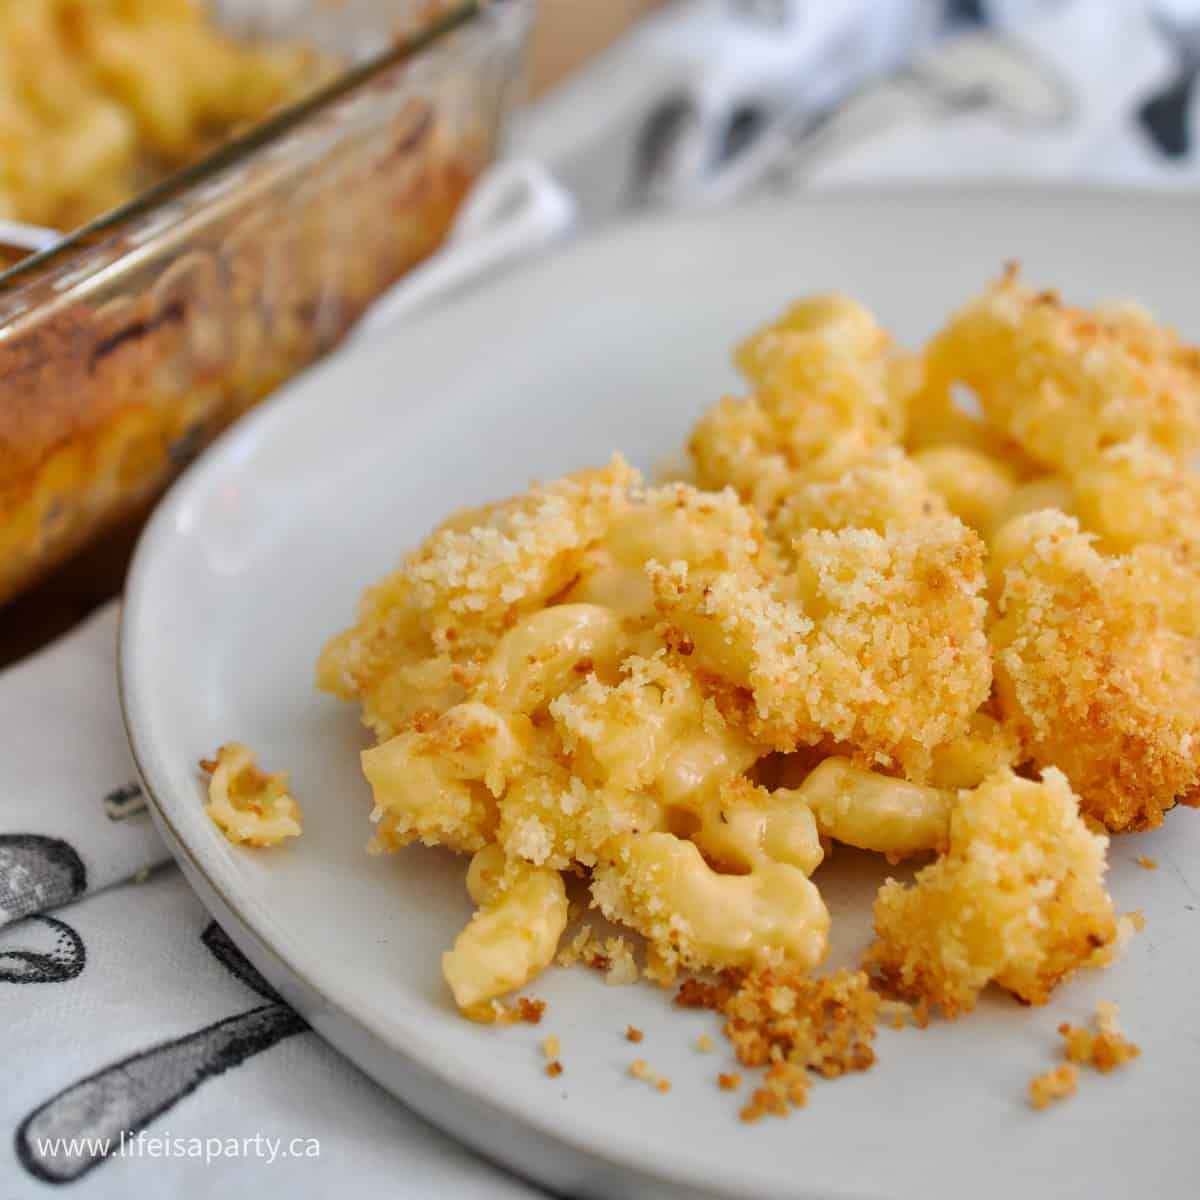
[{"x": 131, "y": 343}]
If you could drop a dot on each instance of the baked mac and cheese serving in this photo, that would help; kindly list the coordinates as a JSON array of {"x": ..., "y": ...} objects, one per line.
[{"x": 871, "y": 614}]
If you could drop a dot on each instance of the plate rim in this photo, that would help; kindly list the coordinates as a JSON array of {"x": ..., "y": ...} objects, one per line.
[{"x": 256, "y": 426}]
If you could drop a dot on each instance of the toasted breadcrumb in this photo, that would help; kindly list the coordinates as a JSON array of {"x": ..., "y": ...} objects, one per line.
[
  {"x": 885, "y": 491},
  {"x": 633, "y": 1034},
  {"x": 614, "y": 956},
  {"x": 1094, "y": 676},
  {"x": 1018, "y": 900},
  {"x": 704, "y": 1044},
  {"x": 621, "y": 968},
  {"x": 554, "y": 1069},
  {"x": 729, "y": 1082},
  {"x": 823, "y": 400},
  {"x": 1146, "y": 862},
  {"x": 530, "y": 1011},
  {"x": 785, "y": 1084},
  {"x": 1054, "y": 1085},
  {"x": 551, "y": 1047},
  {"x": 1106, "y": 1048},
  {"x": 1066, "y": 382},
  {"x": 1136, "y": 495},
  {"x": 792, "y": 1023},
  {"x": 697, "y": 993},
  {"x": 496, "y": 1012},
  {"x": 894, "y": 659}
]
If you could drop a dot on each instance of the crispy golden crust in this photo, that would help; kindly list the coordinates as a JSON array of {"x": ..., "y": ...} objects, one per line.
[
  {"x": 827, "y": 394},
  {"x": 885, "y": 491},
  {"x": 882, "y": 646},
  {"x": 522, "y": 1011},
  {"x": 423, "y": 630},
  {"x": 1067, "y": 383},
  {"x": 1018, "y": 900},
  {"x": 684, "y": 695},
  {"x": 1092, "y": 675},
  {"x": 99, "y": 98},
  {"x": 249, "y": 806},
  {"x": 791, "y": 1023}
]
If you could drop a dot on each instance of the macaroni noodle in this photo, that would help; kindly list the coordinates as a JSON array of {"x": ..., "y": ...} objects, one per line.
[{"x": 247, "y": 805}]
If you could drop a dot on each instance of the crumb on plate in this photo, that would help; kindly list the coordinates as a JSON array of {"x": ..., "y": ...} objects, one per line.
[
  {"x": 1105, "y": 1047},
  {"x": 1018, "y": 899},
  {"x": 639, "y": 1070},
  {"x": 785, "y": 1084},
  {"x": 497, "y": 1012},
  {"x": 791, "y": 1023},
  {"x": 249, "y": 806},
  {"x": 1054, "y": 1085}
]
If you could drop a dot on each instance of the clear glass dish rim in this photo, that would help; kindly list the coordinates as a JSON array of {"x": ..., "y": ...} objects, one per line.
[{"x": 243, "y": 147}]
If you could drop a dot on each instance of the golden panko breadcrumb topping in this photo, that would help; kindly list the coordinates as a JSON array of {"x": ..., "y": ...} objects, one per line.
[
  {"x": 1064, "y": 382},
  {"x": 614, "y": 956},
  {"x": 792, "y": 1023},
  {"x": 1017, "y": 899},
  {"x": 828, "y": 390}
]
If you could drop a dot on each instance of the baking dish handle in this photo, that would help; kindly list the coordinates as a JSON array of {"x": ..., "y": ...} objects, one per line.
[{"x": 516, "y": 209}]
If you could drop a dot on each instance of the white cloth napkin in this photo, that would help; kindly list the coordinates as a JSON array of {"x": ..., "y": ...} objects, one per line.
[
  {"x": 698, "y": 107},
  {"x": 124, "y": 1005}
]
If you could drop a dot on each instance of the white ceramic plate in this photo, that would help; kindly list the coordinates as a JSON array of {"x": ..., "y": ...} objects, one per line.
[{"x": 261, "y": 552}]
